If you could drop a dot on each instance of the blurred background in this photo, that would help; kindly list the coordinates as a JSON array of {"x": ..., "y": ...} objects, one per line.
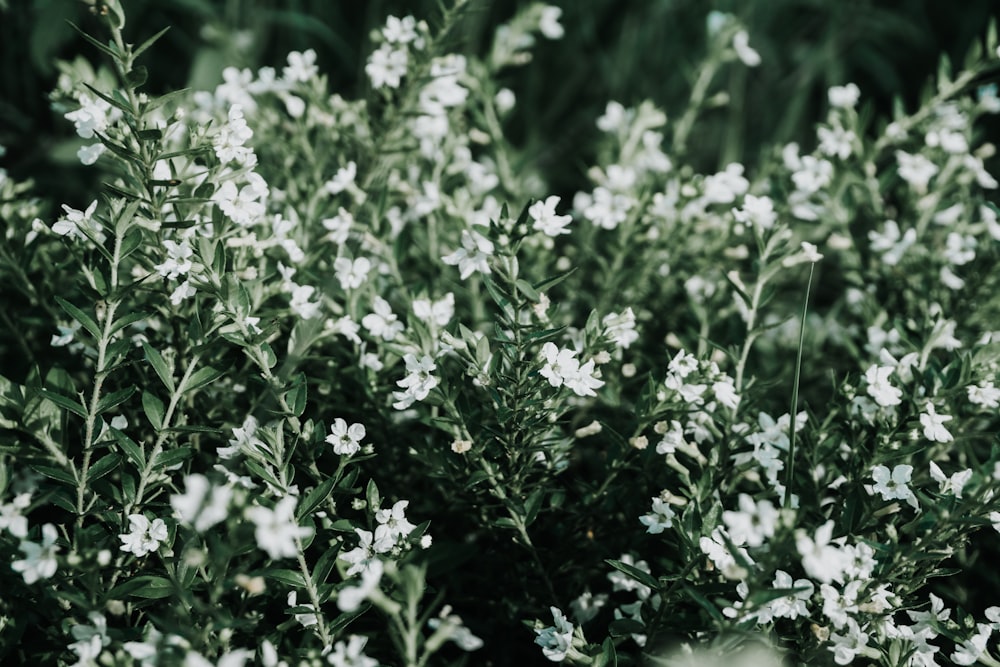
[{"x": 651, "y": 50}]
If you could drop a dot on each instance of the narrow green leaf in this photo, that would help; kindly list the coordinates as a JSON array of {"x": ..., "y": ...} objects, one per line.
[
  {"x": 58, "y": 474},
  {"x": 110, "y": 401},
  {"x": 137, "y": 77},
  {"x": 296, "y": 396},
  {"x": 83, "y": 318},
  {"x": 373, "y": 497},
  {"x": 64, "y": 402},
  {"x": 164, "y": 99},
  {"x": 148, "y": 43},
  {"x": 172, "y": 457},
  {"x": 113, "y": 101},
  {"x": 128, "y": 320},
  {"x": 548, "y": 284},
  {"x": 130, "y": 447},
  {"x": 202, "y": 377},
  {"x": 155, "y": 360},
  {"x": 153, "y": 407},
  {"x": 704, "y": 603},
  {"x": 149, "y": 135},
  {"x": 108, "y": 49},
  {"x": 132, "y": 241},
  {"x": 315, "y": 498},
  {"x": 103, "y": 466},
  {"x": 148, "y": 586},
  {"x": 289, "y": 577},
  {"x": 635, "y": 573}
]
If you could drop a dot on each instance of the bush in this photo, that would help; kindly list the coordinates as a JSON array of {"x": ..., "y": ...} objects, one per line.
[{"x": 318, "y": 380}]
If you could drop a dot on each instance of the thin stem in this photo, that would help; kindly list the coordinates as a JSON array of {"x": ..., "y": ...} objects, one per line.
[{"x": 789, "y": 472}]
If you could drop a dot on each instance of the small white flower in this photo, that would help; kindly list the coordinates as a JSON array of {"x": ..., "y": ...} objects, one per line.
[
  {"x": 277, "y": 531},
  {"x": 383, "y": 323},
  {"x": 549, "y": 24},
  {"x": 556, "y": 640},
  {"x": 144, "y": 536},
  {"x": 746, "y": 54},
  {"x": 660, "y": 518},
  {"x": 202, "y": 505},
  {"x": 546, "y": 220},
  {"x": 880, "y": 388},
  {"x": 473, "y": 256},
  {"x": 351, "y": 273},
  {"x": 39, "y": 560},
  {"x": 88, "y": 155},
  {"x": 933, "y": 423},
  {"x": 953, "y": 484},
  {"x": 894, "y": 485},
  {"x": 844, "y": 97},
  {"x": 387, "y": 66},
  {"x": 346, "y": 440}
]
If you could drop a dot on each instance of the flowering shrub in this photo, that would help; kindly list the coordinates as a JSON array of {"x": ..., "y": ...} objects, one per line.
[{"x": 340, "y": 381}]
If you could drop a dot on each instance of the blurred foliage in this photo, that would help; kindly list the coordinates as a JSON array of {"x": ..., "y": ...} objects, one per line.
[{"x": 887, "y": 47}]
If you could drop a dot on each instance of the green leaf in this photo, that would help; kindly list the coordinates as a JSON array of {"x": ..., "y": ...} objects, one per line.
[
  {"x": 532, "y": 505},
  {"x": 201, "y": 377},
  {"x": 113, "y": 101},
  {"x": 525, "y": 288},
  {"x": 58, "y": 474},
  {"x": 137, "y": 77},
  {"x": 148, "y": 586},
  {"x": 635, "y": 573},
  {"x": 85, "y": 320},
  {"x": 108, "y": 49},
  {"x": 129, "y": 446},
  {"x": 172, "y": 457},
  {"x": 114, "y": 399},
  {"x": 546, "y": 285},
  {"x": 64, "y": 402},
  {"x": 608, "y": 656},
  {"x": 373, "y": 497},
  {"x": 103, "y": 466},
  {"x": 626, "y": 626},
  {"x": 153, "y": 407},
  {"x": 315, "y": 497},
  {"x": 704, "y": 603},
  {"x": 128, "y": 320},
  {"x": 155, "y": 360},
  {"x": 296, "y": 396},
  {"x": 289, "y": 577},
  {"x": 164, "y": 99},
  {"x": 148, "y": 43}
]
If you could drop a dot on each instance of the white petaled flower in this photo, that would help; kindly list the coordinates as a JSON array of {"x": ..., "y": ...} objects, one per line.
[
  {"x": 933, "y": 423},
  {"x": 439, "y": 312},
  {"x": 549, "y": 24},
  {"x": 301, "y": 66},
  {"x": 844, "y": 97},
  {"x": 387, "y": 66},
  {"x": 365, "y": 555},
  {"x": 753, "y": 523},
  {"x": 893, "y": 485},
  {"x": 11, "y": 518},
  {"x": 660, "y": 518},
  {"x": 473, "y": 256},
  {"x": 349, "y": 598},
  {"x": 144, "y": 536},
  {"x": 880, "y": 388},
  {"x": 382, "y": 323},
  {"x": 823, "y": 561},
  {"x": 202, "y": 505},
  {"x": 756, "y": 211},
  {"x": 545, "y": 219},
  {"x": 393, "y": 522},
  {"x": 88, "y": 155},
  {"x": 584, "y": 381},
  {"x": 352, "y": 273},
  {"x": 747, "y": 55},
  {"x": 94, "y": 115},
  {"x": 277, "y": 531},
  {"x": 350, "y": 654},
  {"x": 953, "y": 484},
  {"x": 985, "y": 395},
  {"x": 75, "y": 224},
  {"x": 346, "y": 440},
  {"x": 400, "y": 30},
  {"x": 620, "y": 328},
  {"x": 39, "y": 560},
  {"x": 178, "y": 261},
  {"x": 556, "y": 640},
  {"x": 916, "y": 170}
]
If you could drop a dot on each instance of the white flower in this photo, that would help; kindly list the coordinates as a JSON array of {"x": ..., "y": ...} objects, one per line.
[
  {"x": 880, "y": 388},
  {"x": 202, "y": 505},
  {"x": 94, "y": 115},
  {"x": 301, "y": 66},
  {"x": 76, "y": 223},
  {"x": 753, "y": 523},
  {"x": 307, "y": 619},
  {"x": 418, "y": 382},
  {"x": 916, "y": 170},
  {"x": 350, "y": 654},
  {"x": 300, "y": 303},
  {"x": 241, "y": 205},
  {"x": 144, "y": 536},
  {"x": 836, "y": 141},
  {"x": 400, "y": 30},
  {"x": 660, "y": 518},
  {"x": 557, "y": 639},
  {"x": 365, "y": 555},
  {"x": 933, "y": 424},
  {"x": 546, "y": 220},
  {"x": 39, "y": 559},
  {"x": 891, "y": 242},
  {"x": 985, "y": 395},
  {"x": 725, "y": 186},
  {"x": 346, "y": 440},
  {"x": 277, "y": 531},
  {"x": 894, "y": 485},
  {"x": 349, "y": 598},
  {"x": 11, "y": 518},
  {"x": 821, "y": 560},
  {"x": 756, "y": 211},
  {"x": 844, "y": 97},
  {"x": 953, "y": 484},
  {"x": 351, "y": 273},
  {"x": 342, "y": 180},
  {"x": 392, "y": 522},
  {"x": 88, "y": 155},
  {"x": 741, "y": 44},
  {"x": 620, "y": 328},
  {"x": 439, "y": 312},
  {"x": 178, "y": 261},
  {"x": 549, "y": 24},
  {"x": 382, "y": 323},
  {"x": 387, "y": 66},
  {"x": 472, "y": 256}
]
